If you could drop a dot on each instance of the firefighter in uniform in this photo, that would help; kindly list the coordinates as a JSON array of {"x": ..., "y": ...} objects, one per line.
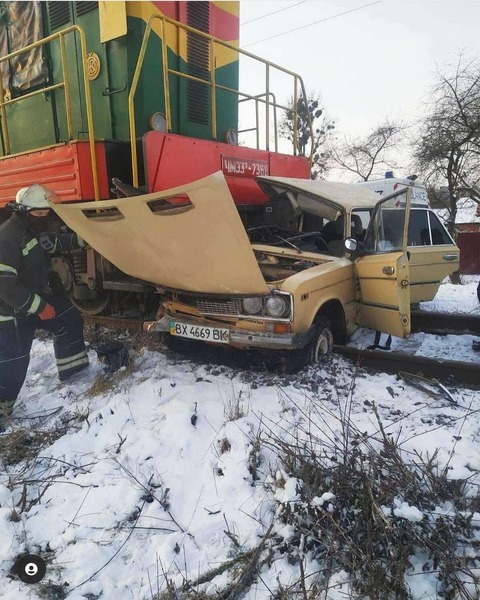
[{"x": 27, "y": 299}]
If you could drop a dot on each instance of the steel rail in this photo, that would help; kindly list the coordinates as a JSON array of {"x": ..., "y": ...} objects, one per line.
[
  {"x": 113, "y": 322},
  {"x": 435, "y": 322},
  {"x": 431, "y": 322},
  {"x": 446, "y": 371}
]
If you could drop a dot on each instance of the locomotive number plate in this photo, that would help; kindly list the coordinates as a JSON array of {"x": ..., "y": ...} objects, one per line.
[
  {"x": 244, "y": 167},
  {"x": 198, "y": 332}
]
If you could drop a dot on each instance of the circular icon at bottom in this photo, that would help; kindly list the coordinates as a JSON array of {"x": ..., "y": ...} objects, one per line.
[{"x": 30, "y": 568}]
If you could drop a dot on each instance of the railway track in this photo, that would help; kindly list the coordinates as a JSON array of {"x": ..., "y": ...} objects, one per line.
[
  {"x": 435, "y": 322},
  {"x": 428, "y": 322},
  {"x": 113, "y": 322},
  {"x": 446, "y": 371},
  {"x": 449, "y": 372}
]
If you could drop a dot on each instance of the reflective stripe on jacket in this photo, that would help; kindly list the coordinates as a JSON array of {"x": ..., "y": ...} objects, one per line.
[{"x": 24, "y": 267}]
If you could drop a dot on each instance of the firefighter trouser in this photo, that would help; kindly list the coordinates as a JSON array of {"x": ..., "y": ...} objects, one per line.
[{"x": 16, "y": 341}]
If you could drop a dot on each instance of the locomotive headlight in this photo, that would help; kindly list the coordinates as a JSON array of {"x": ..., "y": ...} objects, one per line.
[
  {"x": 158, "y": 122},
  {"x": 276, "y": 306},
  {"x": 252, "y": 306}
]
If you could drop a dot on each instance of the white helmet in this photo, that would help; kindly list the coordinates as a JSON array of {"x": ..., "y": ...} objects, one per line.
[{"x": 34, "y": 197}]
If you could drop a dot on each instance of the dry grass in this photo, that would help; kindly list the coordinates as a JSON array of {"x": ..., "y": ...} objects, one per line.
[
  {"x": 25, "y": 443},
  {"x": 357, "y": 528},
  {"x": 105, "y": 382},
  {"x": 224, "y": 445},
  {"x": 133, "y": 340}
]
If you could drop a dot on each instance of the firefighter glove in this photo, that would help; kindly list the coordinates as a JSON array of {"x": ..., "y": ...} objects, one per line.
[{"x": 47, "y": 313}]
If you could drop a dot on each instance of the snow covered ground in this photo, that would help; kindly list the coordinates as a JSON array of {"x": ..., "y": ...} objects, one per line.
[{"x": 161, "y": 474}]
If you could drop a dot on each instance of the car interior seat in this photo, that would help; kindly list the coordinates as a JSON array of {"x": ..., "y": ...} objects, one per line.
[
  {"x": 333, "y": 230},
  {"x": 425, "y": 236},
  {"x": 437, "y": 237},
  {"x": 357, "y": 227},
  {"x": 336, "y": 235}
]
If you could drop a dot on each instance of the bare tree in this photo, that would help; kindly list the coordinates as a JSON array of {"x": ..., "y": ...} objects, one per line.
[
  {"x": 322, "y": 126},
  {"x": 364, "y": 156},
  {"x": 448, "y": 147}
]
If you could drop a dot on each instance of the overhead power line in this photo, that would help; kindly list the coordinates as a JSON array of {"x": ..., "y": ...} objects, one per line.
[
  {"x": 272, "y": 13},
  {"x": 311, "y": 24}
]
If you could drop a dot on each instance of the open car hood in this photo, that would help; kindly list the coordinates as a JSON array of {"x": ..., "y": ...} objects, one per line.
[{"x": 194, "y": 241}]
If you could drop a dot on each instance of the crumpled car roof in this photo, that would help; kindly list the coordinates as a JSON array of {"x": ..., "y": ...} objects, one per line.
[{"x": 321, "y": 198}]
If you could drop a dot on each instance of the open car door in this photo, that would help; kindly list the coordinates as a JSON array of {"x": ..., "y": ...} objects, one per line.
[{"x": 383, "y": 272}]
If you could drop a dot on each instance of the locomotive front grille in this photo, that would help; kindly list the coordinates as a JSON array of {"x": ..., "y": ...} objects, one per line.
[
  {"x": 198, "y": 94},
  {"x": 58, "y": 14}
]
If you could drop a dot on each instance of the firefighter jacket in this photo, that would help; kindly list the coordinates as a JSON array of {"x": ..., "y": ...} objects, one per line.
[{"x": 24, "y": 268}]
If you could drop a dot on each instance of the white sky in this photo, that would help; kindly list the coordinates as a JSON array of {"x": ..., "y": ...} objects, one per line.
[{"x": 374, "y": 62}]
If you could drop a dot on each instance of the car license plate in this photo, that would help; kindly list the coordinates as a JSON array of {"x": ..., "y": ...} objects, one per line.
[{"x": 199, "y": 332}]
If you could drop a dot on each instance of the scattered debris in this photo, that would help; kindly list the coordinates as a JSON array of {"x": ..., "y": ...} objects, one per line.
[
  {"x": 194, "y": 417},
  {"x": 432, "y": 387},
  {"x": 113, "y": 355}
]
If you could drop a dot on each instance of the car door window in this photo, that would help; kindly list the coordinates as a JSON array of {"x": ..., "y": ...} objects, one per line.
[
  {"x": 385, "y": 232},
  {"x": 365, "y": 216},
  {"x": 440, "y": 235},
  {"x": 425, "y": 229},
  {"x": 419, "y": 229}
]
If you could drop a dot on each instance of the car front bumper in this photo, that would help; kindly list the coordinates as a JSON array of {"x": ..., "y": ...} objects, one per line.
[{"x": 240, "y": 337}]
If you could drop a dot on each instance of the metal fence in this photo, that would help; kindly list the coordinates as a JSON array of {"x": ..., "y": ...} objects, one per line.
[{"x": 469, "y": 244}]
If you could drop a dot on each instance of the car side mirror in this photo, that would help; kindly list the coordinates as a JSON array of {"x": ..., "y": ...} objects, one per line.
[
  {"x": 354, "y": 247},
  {"x": 351, "y": 244}
]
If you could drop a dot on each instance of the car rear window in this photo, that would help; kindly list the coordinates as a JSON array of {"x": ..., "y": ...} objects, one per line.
[{"x": 425, "y": 229}]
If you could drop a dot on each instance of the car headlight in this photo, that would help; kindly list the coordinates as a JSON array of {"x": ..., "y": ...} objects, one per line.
[
  {"x": 276, "y": 306},
  {"x": 252, "y": 306}
]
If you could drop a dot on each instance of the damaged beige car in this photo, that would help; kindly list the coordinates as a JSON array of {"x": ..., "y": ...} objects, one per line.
[{"x": 329, "y": 258}]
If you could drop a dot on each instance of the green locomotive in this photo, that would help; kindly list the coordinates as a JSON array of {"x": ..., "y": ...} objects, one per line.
[{"x": 143, "y": 92}]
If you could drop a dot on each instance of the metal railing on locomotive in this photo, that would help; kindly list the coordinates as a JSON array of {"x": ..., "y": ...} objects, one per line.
[
  {"x": 267, "y": 98},
  {"x": 55, "y": 86},
  {"x": 257, "y": 99}
]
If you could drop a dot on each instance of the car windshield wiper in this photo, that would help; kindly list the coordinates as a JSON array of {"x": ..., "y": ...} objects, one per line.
[{"x": 288, "y": 242}]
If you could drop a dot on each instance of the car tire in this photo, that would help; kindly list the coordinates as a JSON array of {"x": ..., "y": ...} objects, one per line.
[{"x": 317, "y": 348}]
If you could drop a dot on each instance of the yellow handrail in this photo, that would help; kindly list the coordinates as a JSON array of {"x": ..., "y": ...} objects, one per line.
[
  {"x": 211, "y": 50},
  {"x": 212, "y": 42},
  {"x": 68, "y": 108},
  {"x": 63, "y": 84},
  {"x": 275, "y": 105}
]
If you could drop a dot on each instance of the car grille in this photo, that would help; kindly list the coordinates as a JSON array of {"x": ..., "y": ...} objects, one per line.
[{"x": 217, "y": 307}]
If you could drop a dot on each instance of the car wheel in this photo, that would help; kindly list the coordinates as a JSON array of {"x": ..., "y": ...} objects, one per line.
[{"x": 319, "y": 346}]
